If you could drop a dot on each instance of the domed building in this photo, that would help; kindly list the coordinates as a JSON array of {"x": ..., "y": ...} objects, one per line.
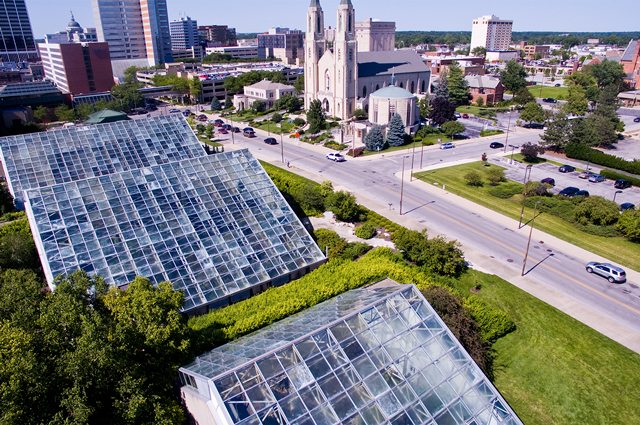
[{"x": 391, "y": 100}]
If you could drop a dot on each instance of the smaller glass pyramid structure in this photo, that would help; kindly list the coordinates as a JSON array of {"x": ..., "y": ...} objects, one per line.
[{"x": 366, "y": 357}]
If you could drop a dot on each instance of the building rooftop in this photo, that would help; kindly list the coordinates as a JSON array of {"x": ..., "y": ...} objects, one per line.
[
  {"x": 627, "y": 56},
  {"x": 28, "y": 89},
  {"x": 386, "y": 63},
  {"x": 393, "y": 92},
  {"x": 482, "y": 81},
  {"x": 368, "y": 356},
  {"x": 269, "y": 85}
]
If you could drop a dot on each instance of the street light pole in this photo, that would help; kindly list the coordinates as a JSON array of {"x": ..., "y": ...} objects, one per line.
[
  {"x": 281, "y": 147},
  {"x": 528, "y": 169},
  {"x": 421, "y": 153},
  {"x": 513, "y": 148},
  {"x": 402, "y": 184},
  {"x": 413, "y": 154},
  {"x": 614, "y": 195},
  {"x": 588, "y": 160},
  {"x": 524, "y": 264},
  {"x": 507, "y": 138}
]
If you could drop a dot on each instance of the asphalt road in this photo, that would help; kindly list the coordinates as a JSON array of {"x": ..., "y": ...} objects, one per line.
[{"x": 375, "y": 178}]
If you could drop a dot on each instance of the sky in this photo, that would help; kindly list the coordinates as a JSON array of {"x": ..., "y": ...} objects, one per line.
[{"x": 251, "y": 16}]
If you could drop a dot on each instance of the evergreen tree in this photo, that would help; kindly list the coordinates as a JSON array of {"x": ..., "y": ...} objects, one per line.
[
  {"x": 442, "y": 89},
  {"x": 458, "y": 87},
  {"x": 395, "y": 132},
  {"x": 215, "y": 104},
  {"x": 228, "y": 103},
  {"x": 374, "y": 140},
  {"x": 315, "y": 117},
  {"x": 523, "y": 96},
  {"x": 442, "y": 111}
]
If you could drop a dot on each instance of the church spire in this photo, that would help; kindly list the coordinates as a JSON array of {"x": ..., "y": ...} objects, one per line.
[{"x": 315, "y": 3}]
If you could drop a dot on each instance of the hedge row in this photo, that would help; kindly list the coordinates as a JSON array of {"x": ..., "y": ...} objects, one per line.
[
  {"x": 615, "y": 176},
  {"x": 338, "y": 276},
  {"x": 577, "y": 151},
  {"x": 380, "y": 221}
]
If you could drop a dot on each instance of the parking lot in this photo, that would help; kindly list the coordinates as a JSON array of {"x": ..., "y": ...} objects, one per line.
[{"x": 563, "y": 180}]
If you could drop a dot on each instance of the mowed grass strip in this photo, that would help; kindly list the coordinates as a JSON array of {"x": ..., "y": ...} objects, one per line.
[
  {"x": 620, "y": 250},
  {"x": 553, "y": 369},
  {"x": 561, "y": 93}
]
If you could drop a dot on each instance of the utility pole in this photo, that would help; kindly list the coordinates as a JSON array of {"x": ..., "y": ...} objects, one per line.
[
  {"x": 529, "y": 243},
  {"x": 281, "y": 145},
  {"x": 528, "y": 169},
  {"x": 413, "y": 154},
  {"x": 402, "y": 184},
  {"x": 421, "y": 153}
]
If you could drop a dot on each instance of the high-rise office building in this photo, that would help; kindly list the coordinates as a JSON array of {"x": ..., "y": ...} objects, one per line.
[
  {"x": 16, "y": 37},
  {"x": 134, "y": 29},
  {"x": 221, "y": 34},
  {"x": 184, "y": 33},
  {"x": 491, "y": 33}
]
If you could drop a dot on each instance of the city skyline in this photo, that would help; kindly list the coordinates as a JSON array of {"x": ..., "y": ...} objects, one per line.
[{"x": 555, "y": 16}]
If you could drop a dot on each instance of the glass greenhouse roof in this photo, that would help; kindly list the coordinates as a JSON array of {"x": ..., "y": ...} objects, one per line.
[
  {"x": 212, "y": 225},
  {"x": 367, "y": 357},
  {"x": 60, "y": 156}
]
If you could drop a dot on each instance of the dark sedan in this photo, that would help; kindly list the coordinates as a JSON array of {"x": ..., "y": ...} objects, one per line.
[
  {"x": 496, "y": 145},
  {"x": 622, "y": 184},
  {"x": 569, "y": 191},
  {"x": 270, "y": 141},
  {"x": 567, "y": 169}
]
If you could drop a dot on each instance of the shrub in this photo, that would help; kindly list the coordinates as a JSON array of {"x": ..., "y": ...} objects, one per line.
[
  {"x": 597, "y": 210},
  {"x": 506, "y": 190},
  {"x": 299, "y": 122},
  {"x": 355, "y": 250},
  {"x": 310, "y": 198},
  {"x": 473, "y": 178},
  {"x": 276, "y": 117},
  {"x": 289, "y": 184},
  {"x": 629, "y": 224},
  {"x": 615, "y": 176},
  {"x": 486, "y": 133},
  {"x": 531, "y": 151},
  {"x": 344, "y": 206},
  {"x": 577, "y": 151},
  {"x": 366, "y": 231},
  {"x": 435, "y": 255},
  {"x": 495, "y": 175}
]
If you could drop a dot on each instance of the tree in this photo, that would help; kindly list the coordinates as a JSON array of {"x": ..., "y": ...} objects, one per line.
[
  {"x": 523, "y": 96},
  {"x": 299, "y": 122},
  {"x": 276, "y": 118},
  {"x": 425, "y": 108},
  {"x": 442, "y": 111},
  {"x": 451, "y": 128},
  {"x": 558, "y": 131},
  {"x": 629, "y": 224},
  {"x": 287, "y": 102},
  {"x": 479, "y": 51},
  {"x": 228, "y": 103},
  {"x": 315, "y": 117},
  {"x": 299, "y": 84},
  {"x": 598, "y": 211},
  {"x": 581, "y": 131},
  {"x": 374, "y": 140},
  {"x": 395, "y": 131},
  {"x": 459, "y": 93},
  {"x": 442, "y": 88},
  {"x": 209, "y": 131},
  {"x": 577, "y": 102},
  {"x": 474, "y": 178},
  {"x": 480, "y": 101},
  {"x": 42, "y": 114},
  {"x": 195, "y": 88},
  {"x": 344, "y": 206},
  {"x": 65, "y": 114},
  {"x": 360, "y": 114},
  {"x": 531, "y": 151},
  {"x": 484, "y": 158},
  {"x": 607, "y": 73},
  {"x": 495, "y": 175},
  {"x": 513, "y": 77},
  {"x": 532, "y": 112},
  {"x": 215, "y": 104},
  {"x": 435, "y": 255},
  {"x": 258, "y": 106}
]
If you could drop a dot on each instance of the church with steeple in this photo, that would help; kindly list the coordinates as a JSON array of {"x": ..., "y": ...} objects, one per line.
[{"x": 342, "y": 76}]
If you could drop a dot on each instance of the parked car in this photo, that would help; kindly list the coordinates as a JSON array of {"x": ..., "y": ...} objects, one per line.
[
  {"x": 566, "y": 169},
  {"x": 202, "y": 117},
  {"x": 585, "y": 174},
  {"x": 223, "y": 131},
  {"x": 248, "y": 132},
  {"x": 622, "y": 184},
  {"x": 457, "y": 115},
  {"x": 612, "y": 273},
  {"x": 335, "y": 157},
  {"x": 448, "y": 145},
  {"x": 247, "y": 129},
  {"x": 218, "y": 120},
  {"x": 636, "y": 119},
  {"x": 596, "y": 178},
  {"x": 548, "y": 180},
  {"x": 550, "y": 100},
  {"x": 533, "y": 125},
  {"x": 557, "y": 84},
  {"x": 627, "y": 206},
  {"x": 173, "y": 110},
  {"x": 496, "y": 145},
  {"x": 226, "y": 126},
  {"x": 569, "y": 191},
  {"x": 235, "y": 130},
  {"x": 582, "y": 193},
  {"x": 270, "y": 141},
  {"x": 217, "y": 124},
  {"x": 465, "y": 115}
]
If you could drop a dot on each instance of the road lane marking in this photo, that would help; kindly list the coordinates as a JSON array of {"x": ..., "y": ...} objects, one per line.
[{"x": 519, "y": 253}]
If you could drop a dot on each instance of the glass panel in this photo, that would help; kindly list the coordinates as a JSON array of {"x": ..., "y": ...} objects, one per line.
[
  {"x": 433, "y": 349},
  {"x": 370, "y": 316},
  {"x": 392, "y": 376},
  {"x": 410, "y": 317},
  {"x": 376, "y": 385},
  {"x": 293, "y": 407},
  {"x": 228, "y": 386},
  {"x": 472, "y": 401},
  {"x": 270, "y": 366},
  {"x": 364, "y": 367},
  {"x": 389, "y": 404},
  {"x": 260, "y": 397},
  {"x": 367, "y": 340},
  {"x": 341, "y": 331},
  {"x": 324, "y": 415},
  {"x": 300, "y": 375},
  {"x": 446, "y": 393},
  {"x": 445, "y": 418},
  {"x": 459, "y": 411},
  {"x": 382, "y": 332},
  {"x": 419, "y": 384},
  {"x": 404, "y": 394},
  {"x": 432, "y": 402},
  {"x": 281, "y": 386},
  {"x": 335, "y": 357},
  {"x": 360, "y": 395},
  {"x": 318, "y": 366},
  {"x": 401, "y": 419},
  {"x": 446, "y": 366},
  {"x": 405, "y": 367},
  {"x": 304, "y": 420},
  {"x": 418, "y": 413},
  {"x": 239, "y": 407},
  {"x": 312, "y": 397},
  {"x": 347, "y": 376},
  {"x": 272, "y": 416},
  {"x": 288, "y": 357},
  {"x": 485, "y": 393},
  {"x": 356, "y": 324},
  {"x": 372, "y": 415},
  {"x": 354, "y": 420},
  {"x": 343, "y": 406},
  {"x": 352, "y": 348},
  {"x": 307, "y": 348},
  {"x": 330, "y": 385},
  {"x": 380, "y": 357},
  {"x": 249, "y": 376}
]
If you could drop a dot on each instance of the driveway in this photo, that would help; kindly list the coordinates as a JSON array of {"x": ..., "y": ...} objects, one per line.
[{"x": 563, "y": 180}]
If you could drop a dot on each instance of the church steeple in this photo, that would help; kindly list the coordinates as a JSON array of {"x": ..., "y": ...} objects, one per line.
[
  {"x": 315, "y": 21},
  {"x": 346, "y": 27}
]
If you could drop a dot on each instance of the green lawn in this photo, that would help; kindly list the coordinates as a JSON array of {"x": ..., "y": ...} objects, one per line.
[
  {"x": 555, "y": 370},
  {"x": 560, "y": 93},
  {"x": 431, "y": 139},
  {"x": 619, "y": 250}
]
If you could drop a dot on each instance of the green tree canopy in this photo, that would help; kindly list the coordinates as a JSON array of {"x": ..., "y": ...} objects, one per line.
[
  {"x": 425, "y": 108},
  {"x": 513, "y": 76},
  {"x": 451, "y": 128},
  {"x": 442, "y": 111},
  {"x": 65, "y": 114},
  {"x": 299, "y": 84},
  {"x": 577, "y": 102},
  {"x": 374, "y": 140},
  {"x": 215, "y": 104},
  {"x": 228, "y": 103},
  {"x": 523, "y": 96},
  {"x": 315, "y": 117},
  {"x": 532, "y": 112},
  {"x": 459, "y": 92},
  {"x": 395, "y": 131},
  {"x": 344, "y": 206}
]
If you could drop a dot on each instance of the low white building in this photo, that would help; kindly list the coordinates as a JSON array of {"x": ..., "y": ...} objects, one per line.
[
  {"x": 391, "y": 100},
  {"x": 502, "y": 55},
  {"x": 244, "y": 52},
  {"x": 265, "y": 91}
]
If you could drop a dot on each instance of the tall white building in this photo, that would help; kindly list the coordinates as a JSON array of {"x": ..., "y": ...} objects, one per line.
[
  {"x": 134, "y": 29},
  {"x": 491, "y": 32},
  {"x": 184, "y": 33}
]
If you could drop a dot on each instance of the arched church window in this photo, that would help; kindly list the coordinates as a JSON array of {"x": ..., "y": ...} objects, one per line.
[
  {"x": 310, "y": 27},
  {"x": 327, "y": 78},
  {"x": 350, "y": 55},
  {"x": 401, "y": 86},
  {"x": 364, "y": 91},
  {"x": 339, "y": 54},
  {"x": 413, "y": 87},
  {"x": 309, "y": 52},
  {"x": 349, "y": 17},
  {"x": 340, "y": 21},
  {"x": 423, "y": 87},
  {"x": 377, "y": 87},
  {"x": 339, "y": 76},
  {"x": 318, "y": 29}
]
